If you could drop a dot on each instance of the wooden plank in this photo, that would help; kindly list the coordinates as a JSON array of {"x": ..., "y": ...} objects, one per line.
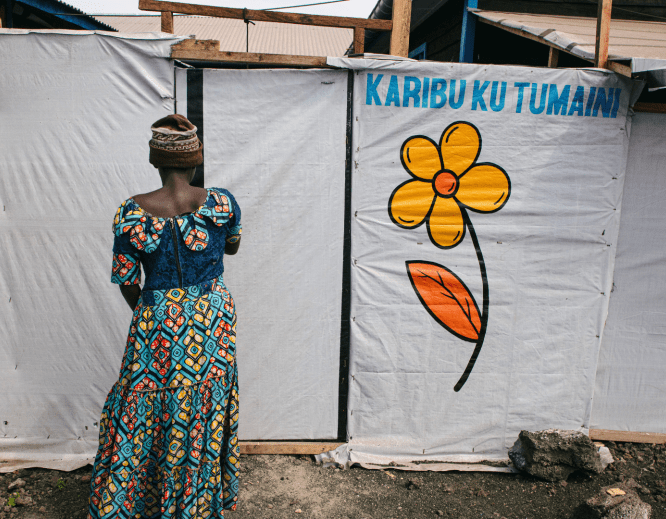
[
  {"x": 265, "y": 16},
  {"x": 359, "y": 40},
  {"x": 402, "y": 16},
  {"x": 651, "y": 108},
  {"x": 167, "y": 22},
  {"x": 209, "y": 50},
  {"x": 553, "y": 57},
  {"x": 603, "y": 31},
  {"x": 619, "y": 68},
  {"x": 627, "y": 436},
  {"x": 287, "y": 447}
]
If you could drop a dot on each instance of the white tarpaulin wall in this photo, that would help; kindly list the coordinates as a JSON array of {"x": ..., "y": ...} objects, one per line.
[
  {"x": 76, "y": 108},
  {"x": 276, "y": 140},
  {"x": 75, "y": 119},
  {"x": 549, "y": 253},
  {"x": 75, "y": 116},
  {"x": 630, "y": 393}
]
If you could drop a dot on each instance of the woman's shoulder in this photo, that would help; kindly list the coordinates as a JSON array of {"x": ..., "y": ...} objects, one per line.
[
  {"x": 127, "y": 208},
  {"x": 219, "y": 196},
  {"x": 220, "y": 191}
]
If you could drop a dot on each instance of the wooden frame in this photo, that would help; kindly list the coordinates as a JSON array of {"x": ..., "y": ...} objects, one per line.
[
  {"x": 209, "y": 50},
  {"x": 603, "y": 32},
  {"x": 627, "y": 436},
  {"x": 167, "y": 22},
  {"x": 311, "y": 448},
  {"x": 553, "y": 57},
  {"x": 650, "y": 108}
]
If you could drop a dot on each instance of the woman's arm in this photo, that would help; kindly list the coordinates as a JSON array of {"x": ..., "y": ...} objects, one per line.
[
  {"x": 131, "y": 293},
  {"x": 232, "y": 248}
]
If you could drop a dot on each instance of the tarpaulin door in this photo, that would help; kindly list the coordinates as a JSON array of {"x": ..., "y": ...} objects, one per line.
[{"x": 277, "y": 140}]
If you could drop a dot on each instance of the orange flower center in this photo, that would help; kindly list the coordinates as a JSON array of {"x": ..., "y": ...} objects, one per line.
[{"x": 445, "y": 183}]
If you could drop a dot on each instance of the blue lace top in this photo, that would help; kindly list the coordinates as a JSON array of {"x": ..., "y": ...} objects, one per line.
[{"x": 175, "y": 252}]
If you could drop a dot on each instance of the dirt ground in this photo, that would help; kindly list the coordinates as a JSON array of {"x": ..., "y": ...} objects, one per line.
[{"x": 277, "y": 487}]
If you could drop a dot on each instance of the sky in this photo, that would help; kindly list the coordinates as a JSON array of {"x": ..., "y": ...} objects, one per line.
[{"x": 355, "y": 8}]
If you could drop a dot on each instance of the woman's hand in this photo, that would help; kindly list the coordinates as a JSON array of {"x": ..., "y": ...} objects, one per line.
[{"x": 131, "y": 293}]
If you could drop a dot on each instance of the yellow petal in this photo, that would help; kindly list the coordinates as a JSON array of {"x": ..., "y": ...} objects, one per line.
[
  {"x": 460, "y": 147},
  {"x": 410, "y": 202},
  {"x": 420, "y": 157},
  {"x": 445, "y": 225},
  {"x": 484, "y": 188}
]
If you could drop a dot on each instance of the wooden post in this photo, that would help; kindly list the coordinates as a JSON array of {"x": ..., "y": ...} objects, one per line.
[
  {"x": 402, "y": 17},
  {"x": 2, "y": 16},
  {"x": 603, "y": 30},
  {"x": 359, "y": 40},
  {"x": 167, "y": 22},
  {"x": 467, "y": 33},
  {"x": 553, "y": 57}
]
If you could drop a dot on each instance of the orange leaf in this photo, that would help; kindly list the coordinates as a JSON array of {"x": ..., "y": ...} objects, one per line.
[{"x": 446, "y": 298}]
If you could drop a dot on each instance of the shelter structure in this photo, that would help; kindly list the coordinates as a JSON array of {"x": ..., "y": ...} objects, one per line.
[
  {"x": 462, "y": 262},
  {"x": 447, "y": 31}
]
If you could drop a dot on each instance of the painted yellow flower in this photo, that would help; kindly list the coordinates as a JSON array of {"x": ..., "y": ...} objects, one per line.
[{"x": 447, "y": 180}]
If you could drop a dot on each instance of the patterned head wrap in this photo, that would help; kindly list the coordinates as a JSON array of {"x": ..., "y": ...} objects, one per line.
[{"x": 175, "y": 143}]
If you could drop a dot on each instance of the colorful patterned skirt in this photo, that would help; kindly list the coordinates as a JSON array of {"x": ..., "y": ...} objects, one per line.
[{"x": 168, "y": 432}]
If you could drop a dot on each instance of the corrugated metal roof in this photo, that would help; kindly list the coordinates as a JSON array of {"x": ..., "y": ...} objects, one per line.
[
  {"x": 267, "y": 37},
  {"x": 66, "y": 12},
  {"x": 628, "y": 38}
]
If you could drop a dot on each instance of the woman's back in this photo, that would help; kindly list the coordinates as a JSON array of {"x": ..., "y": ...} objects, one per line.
[
  {"x": 164, "y": 203},
  {"x": 175, "y": 251}
]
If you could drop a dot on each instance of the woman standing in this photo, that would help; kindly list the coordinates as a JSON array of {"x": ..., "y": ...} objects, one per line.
[{"x": 168, "y": 432}]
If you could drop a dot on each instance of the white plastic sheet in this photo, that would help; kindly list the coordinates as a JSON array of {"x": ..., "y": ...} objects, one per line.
[
  {"x": 76, "y": 109},
  {"x": 630, "y": 393},
  {"x": 276, "y": 140},
  {"x": 549, "y": 254}
]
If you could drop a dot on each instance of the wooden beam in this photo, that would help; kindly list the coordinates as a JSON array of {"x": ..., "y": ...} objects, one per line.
[
  {"x": 402, "y": 16},
  {"x": 167, "y": 22},
  {"x": 209, "y": 50},
  {"x": 625, "y": 70},
  {"x": 650, "y": 108},
  {"x": 287, "y": 447},
  {"x": 468, "y": 32},
  {"x": 603, "y": 31},
  {"x": 612, "y": 65},
  {"x": 627, "y": 436},
  {"x": 553, "y": 57},
  {"x": 359, "y": 40},
  {"x": 265, "y": 16}
]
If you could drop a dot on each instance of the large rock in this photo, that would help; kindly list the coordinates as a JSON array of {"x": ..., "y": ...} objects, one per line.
[
  {"x": 609, "y": 506},
  {"x": 554, "y": 454}
]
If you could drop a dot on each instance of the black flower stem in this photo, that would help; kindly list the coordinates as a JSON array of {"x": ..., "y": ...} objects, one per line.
[{"x": 484, "y": 315}]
